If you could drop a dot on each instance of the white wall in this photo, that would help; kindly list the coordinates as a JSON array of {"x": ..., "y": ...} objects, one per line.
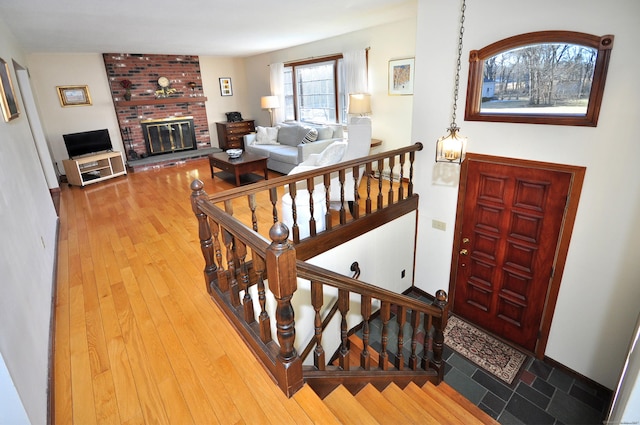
[
  {"x": 391, "y": 115},
  {"x": 213, "y": 68},
  {"x": 28, "y": 225},
  {"x": 598, "y": 300}
]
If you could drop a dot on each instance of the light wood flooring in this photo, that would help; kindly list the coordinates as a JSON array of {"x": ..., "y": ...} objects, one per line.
[{"x": 137, "y": 338}]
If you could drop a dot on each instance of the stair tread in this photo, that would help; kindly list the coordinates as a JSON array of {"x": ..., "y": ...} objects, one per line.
[
  {"x": 444, "y": 413},
  {"x": 347, "y": 408},
  {"x": 461, "y": 400},
  {"x": 380, "y": 407},
  {"x": 310, "y": 402},
  {"x": 409, "y": 407}
]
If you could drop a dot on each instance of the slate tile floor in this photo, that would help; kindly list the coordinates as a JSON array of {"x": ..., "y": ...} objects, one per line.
[{"x": 542, "y": 394}]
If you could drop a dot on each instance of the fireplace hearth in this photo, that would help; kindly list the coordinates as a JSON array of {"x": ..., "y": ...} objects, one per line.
[{"x": 169, "y": 135}]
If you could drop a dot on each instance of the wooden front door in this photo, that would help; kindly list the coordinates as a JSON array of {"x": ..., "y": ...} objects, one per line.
[{"x": 511, "y": 215}]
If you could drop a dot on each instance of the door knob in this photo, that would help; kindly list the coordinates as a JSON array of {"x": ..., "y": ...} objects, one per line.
[
  {"x": 465, "y": 240},
  {"x": 464, "y": 252}
]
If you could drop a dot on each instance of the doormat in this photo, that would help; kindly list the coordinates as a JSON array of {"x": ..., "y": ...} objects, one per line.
[{"x": 499, "y": 359}]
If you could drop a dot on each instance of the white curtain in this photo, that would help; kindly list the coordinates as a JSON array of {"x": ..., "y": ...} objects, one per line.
[
  {"x": 276, "y": 76},
  {"x": 355, "y": 67}
]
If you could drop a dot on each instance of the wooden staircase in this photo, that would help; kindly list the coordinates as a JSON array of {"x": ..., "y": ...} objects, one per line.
[{"x": 428, "y": 404}]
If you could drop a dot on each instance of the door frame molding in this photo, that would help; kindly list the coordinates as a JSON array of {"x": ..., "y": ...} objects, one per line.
[{"x": 564, "y": 238}]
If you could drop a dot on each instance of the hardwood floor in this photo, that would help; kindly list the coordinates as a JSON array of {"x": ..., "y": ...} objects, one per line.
[{"x": 137, "y": 338}]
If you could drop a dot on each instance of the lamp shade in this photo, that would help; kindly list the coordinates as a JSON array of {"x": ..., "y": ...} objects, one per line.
[
  {"x": 269, "y": 102},
  {"x": 359, "y": 103}
]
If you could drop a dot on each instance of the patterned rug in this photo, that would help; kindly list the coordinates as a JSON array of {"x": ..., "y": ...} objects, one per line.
[{"x": 491, "y": 354}]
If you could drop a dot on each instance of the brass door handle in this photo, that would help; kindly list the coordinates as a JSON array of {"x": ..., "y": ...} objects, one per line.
[{"x": 464, "y": 252}]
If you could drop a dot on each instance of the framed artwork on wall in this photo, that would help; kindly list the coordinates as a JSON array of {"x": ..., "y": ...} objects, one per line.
[
  {"x": 225, "y": 87},
  {"x": 7, "y": 93},
  {"x": 401, "y": 73},
  {"x": 74, "y": 95}
]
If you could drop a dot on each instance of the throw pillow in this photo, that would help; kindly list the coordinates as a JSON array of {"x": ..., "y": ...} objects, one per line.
[
  {"x": 332, "y": 154},
  {"x": 311, "y": 136},
  {"x": 325, "y": 133},
  {"x": 266, "y": 135},
  {"x": 288, "y": 135}
]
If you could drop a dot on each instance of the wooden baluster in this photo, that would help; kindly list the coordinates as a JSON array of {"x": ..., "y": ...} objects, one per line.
[
  {"x": 312, "y": 219},
  {"x": 356, "y": 203},
  {"x": 295, "y": 231},
  {"x": 412, "y": 157},
  {"x": 415, "y": 324},
  {"x": 365, "y": 356},
  {"x": 343, "y": 306},
  {"x": 428, "y": 340},
  {"x": 401, "y": 187},
  {"x": 317, "y": 301},
  {"x": 385, "y": 315},
  {"x": 401, "y": 318},
  {"x": 263, "y": 319},
  {"x": 369, "y": 173},
  {"x": 343, "y": 212},
  {"x": 247, "y": 302},
  {"x": 327, "y": 200},
  {"x": 234, "y": 291},
  {"x": 223, "y": 284},
  {"x": 228, "y": 207},
  {"x": 392, "y": 163},
  {"x": 253, "y": 205},
  {"x": 204, "y": 231},
  {"x": 273, "y": 197},
  {"x": 380, "y": 170},
  {"x": 281, "y": 273},
  {"x": 439, "y": 323}
]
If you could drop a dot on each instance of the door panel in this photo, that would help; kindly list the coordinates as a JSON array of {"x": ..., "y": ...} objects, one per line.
[{"x": 509, "y": 233}]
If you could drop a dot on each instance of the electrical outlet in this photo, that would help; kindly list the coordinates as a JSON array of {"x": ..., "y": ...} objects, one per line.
[
  {"x": 440, "y": 225},
  {"x": 402, "y": 274}
]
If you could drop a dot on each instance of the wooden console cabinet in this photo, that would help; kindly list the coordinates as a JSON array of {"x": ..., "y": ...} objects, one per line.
[
  {"x": 230, "y": 133},
  {"x": 94, "y": 168}
]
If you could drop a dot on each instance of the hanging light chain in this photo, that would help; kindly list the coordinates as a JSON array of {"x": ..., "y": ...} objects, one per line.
[{"x": 458, "y": 66}]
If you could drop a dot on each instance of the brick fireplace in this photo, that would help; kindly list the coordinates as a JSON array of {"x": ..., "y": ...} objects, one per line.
[{"x": 186, "y": 100}]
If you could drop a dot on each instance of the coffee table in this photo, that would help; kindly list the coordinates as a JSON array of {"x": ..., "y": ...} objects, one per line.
[{"x": 247, "y": 163}]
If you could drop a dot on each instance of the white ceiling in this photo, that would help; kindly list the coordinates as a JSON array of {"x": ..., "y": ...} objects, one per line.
[{"x": 201, "y": 27}]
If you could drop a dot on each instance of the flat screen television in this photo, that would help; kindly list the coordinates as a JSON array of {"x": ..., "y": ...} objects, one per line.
[{"x": 87, "y": 142}]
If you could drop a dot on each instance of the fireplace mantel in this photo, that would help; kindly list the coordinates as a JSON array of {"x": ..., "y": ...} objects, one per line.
[{"x": 161, "y": 101}]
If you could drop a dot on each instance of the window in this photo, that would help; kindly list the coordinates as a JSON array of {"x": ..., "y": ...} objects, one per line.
[
  {"x": 546, "y": 77},
  {"x": 314, "y": 91}
]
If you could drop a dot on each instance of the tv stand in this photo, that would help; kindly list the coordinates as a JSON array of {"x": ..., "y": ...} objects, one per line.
[{"x": 94, "y": 168}]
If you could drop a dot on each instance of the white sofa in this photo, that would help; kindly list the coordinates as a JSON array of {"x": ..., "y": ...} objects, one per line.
[{"x": 290, "y": 148}]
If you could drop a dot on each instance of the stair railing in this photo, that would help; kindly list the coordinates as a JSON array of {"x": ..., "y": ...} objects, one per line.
[{"x": 244, "y": 270}]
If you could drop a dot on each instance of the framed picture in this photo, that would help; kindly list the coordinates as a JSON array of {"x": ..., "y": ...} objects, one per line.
[
  {"x": 225, "y": 87},
  {"x": 74, "y": 95},
  {"x": 7, "y": 93},
  {"x": 401, "y": 73}
]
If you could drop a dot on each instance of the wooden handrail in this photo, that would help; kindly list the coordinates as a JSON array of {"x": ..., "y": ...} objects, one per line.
[{"x": 237, "y": 257}]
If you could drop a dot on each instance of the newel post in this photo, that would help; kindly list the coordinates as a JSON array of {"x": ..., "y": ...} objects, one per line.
[
  {"x": 440, "y": 323},
  {"x": 281, "y": 272},
  {"x": 204, "y": 232}
]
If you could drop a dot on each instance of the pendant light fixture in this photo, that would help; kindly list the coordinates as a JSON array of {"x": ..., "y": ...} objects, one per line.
[{"x": 451, "y": 147}]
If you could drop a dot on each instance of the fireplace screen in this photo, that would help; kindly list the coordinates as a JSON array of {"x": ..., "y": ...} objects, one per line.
[{"x": 169, "y": 135}]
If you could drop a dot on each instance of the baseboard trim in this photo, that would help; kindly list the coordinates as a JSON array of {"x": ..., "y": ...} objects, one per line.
[{"x": 51, "y": 405}]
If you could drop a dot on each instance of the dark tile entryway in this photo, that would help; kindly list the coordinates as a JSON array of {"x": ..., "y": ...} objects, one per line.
[{"x": 541, "y": 395}]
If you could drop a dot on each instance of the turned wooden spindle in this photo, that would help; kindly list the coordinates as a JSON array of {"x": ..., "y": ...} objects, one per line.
[
  {"x": 401, "y": 318},
  {"x": 385, "y": 315},
  {"x": 317, "y": 300},
  {"x": 204, "y": 232},
  {"x": 439, "y": 324},
  {"x": 343, "y": 307},
  {"x": 282, "y": 277},
  {"x": 365, "y": 355}
]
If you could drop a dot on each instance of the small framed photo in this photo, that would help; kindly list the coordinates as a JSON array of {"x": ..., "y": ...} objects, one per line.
[
  {"x": 225, "y": 87},
  {"x": 7, "y": 93},
  {"x": 401, "y": 73},
  {"x": 74, "y": 95}
]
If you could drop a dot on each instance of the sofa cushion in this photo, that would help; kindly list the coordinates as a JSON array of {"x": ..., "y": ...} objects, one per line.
[
  {"x": 311, "y": 136},
  {"x": 290, "y": 135},
  {"x": 266, "y": 135},
  {"x": 325, "y": 133},
  {"x": 284, "y": 154},
  {"x": 332, "y": 154}
]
